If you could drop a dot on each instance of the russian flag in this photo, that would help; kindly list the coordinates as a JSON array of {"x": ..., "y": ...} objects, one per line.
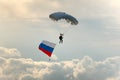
[{"x": 47, "y": 47}]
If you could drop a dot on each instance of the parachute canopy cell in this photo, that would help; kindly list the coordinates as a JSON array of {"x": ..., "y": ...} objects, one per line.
[{"x": 62, "y": 15}]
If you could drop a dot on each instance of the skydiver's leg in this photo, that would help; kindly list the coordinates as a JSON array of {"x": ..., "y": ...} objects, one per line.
[{"x": 61, "y": 41}]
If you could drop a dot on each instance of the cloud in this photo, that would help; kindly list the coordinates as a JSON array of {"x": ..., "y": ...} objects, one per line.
[
  {"x": 39, "y": 8},
  {"x": 76, "y": 69},
  {"x": 9, "y": 52},
  {"x": 26, "y": 8},
  {"x": 13, "y": 9}
]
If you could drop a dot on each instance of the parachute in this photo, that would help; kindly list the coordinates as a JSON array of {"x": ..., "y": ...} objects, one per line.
[
  {"x": 62, "y": 15},
  {"x": 47, "y": 47}
]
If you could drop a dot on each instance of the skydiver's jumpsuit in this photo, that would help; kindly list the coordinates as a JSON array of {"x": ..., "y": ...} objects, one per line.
[{"x": 61, "y": 39}]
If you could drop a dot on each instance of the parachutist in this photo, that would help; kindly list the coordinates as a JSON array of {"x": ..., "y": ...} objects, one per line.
[
  {"x": 61, "y": 38},
  {"x": 57, "y": 16}
]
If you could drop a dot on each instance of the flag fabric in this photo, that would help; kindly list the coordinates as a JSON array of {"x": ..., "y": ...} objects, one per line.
[{"x": 47, "y": 47}]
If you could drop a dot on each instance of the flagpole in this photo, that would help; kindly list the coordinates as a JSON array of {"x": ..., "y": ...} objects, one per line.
[{"x": 49, "y": 59}]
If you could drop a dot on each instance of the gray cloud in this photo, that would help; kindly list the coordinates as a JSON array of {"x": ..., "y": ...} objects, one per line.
[
  {"x": 39, "y": 8},
  {"x": 26, "y": 8},
  {"x": 76, "y": 69},
  {"x": 9, "y": 52}
]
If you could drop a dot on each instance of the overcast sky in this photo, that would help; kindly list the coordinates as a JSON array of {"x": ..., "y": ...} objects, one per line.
[{"x": 91, "y": 46}]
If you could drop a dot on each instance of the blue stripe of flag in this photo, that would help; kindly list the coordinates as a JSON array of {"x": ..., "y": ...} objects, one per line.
[{"x": 47, "y": 48}]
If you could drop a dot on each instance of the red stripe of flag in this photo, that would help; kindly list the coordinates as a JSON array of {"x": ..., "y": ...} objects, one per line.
[{"x": 46, "y": 52}]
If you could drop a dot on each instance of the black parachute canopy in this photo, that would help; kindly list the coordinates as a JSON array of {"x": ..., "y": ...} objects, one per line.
[{"x": 62, "y": 15}]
